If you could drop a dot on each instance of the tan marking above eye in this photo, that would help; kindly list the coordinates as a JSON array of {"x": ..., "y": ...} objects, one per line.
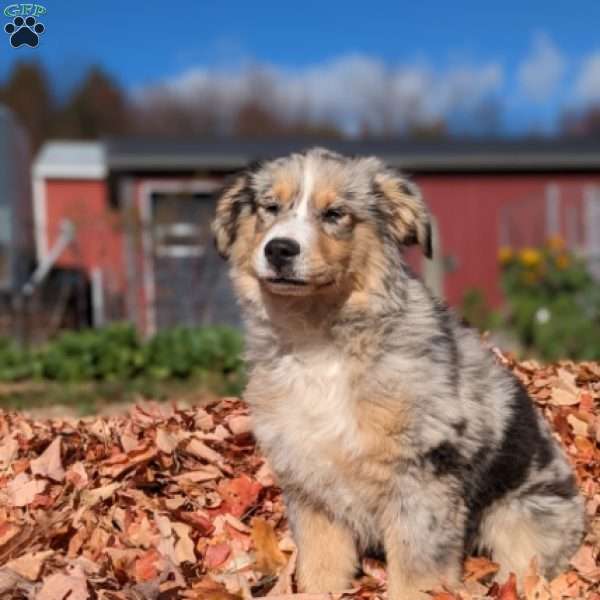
[
  {"x": 325, "y": 196},
  {"x": 284, "y": 190}
]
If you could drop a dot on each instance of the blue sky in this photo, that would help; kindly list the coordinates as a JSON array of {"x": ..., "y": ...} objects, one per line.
[{"x": 533, "y": 57}]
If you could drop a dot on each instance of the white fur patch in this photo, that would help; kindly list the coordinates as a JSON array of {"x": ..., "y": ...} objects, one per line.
[
  {"x": 314, "y": 421},
  {"x": 297, "y": 225}
]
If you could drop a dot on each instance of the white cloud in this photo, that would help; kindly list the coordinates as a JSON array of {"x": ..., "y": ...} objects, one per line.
[
  {"x": 587, "y": 84},
  {"x": 542, "y": 70},
  {"x": 352, "y": 90}
]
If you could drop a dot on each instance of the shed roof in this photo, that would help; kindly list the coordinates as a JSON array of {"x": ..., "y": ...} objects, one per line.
[
  {"x": 70, "y": 159},
  {"x": 93, "y": 160},
  {"x": 448, "y": 155}
]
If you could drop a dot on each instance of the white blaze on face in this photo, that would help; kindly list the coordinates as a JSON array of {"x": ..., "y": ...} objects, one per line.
[{"x": 296, "y": 225}]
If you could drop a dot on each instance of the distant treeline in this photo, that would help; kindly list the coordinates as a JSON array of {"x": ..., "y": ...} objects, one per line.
[{"x": 249, "y": 106}]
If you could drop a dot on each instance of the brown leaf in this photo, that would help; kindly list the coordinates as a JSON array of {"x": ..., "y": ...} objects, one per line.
[
  {"x": 147, "y": 566},
  {"x": 7, "y": 532},
  {"x": 239, "y": 424},
  {"x": 585, "y": 562},
  {"x": 90, "y": 498},
  {"x": 49, "y": 463},
  {"x": 8, "y": 450},
  {"x": 562, "y": 397},
  {"x": 77, "y": 475},
  {"x": 22, "y": 490},
  {"x": 478, "y": 568},
  {"x": 131, "y": 460},
  {"x": 508, "y": 591},
  {"x": 240, "y": 493},
  {"x": 269, "y": 558},
  {"x": 207, "y": 473},
  {"x": 216, "y": 555},
  {"x": 29, "y": 565},
  {"x": 165, "y": 441},
  {"x": 201, "y": 450},
  {"x": 184, "y": 547},
  {"x": 60, "y": 586}
]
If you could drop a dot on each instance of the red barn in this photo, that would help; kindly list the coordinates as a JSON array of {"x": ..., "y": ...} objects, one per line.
[{"x": 141, "y": 212}]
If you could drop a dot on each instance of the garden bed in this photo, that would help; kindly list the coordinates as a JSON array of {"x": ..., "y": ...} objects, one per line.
[{"x": 170, "y": 502}]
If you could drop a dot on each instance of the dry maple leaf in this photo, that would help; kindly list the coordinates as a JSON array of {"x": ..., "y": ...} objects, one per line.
[
  {"x": 9, "y": 449},
  {"x": 586, "y": 563},
  {"x": 269, "y": 558},
  {"x": 240, "y": 494},
  {"x": 49, "y": 463},
  {"x": 29, "y": 565},
  {"x": 22, "y": 490},
  {"x": 239, "y": 424},
  {"x": 148, "y": 565},
  {"x": 165, "y": 441},
  {"x": 216, "y": 555},
  {"x": 62, "y": 587},
  {"x": 478, "y": 568},
  {"x": 285, "y": 582},
  {"x": 508, "y": 591}
]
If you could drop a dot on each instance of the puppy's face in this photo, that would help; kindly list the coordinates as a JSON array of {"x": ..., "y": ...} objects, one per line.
[{"x": 315, "y": 223}]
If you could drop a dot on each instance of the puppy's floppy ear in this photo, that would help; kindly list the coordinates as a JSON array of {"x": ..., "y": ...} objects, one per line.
[
  {"x": 235, "y": 202},
  {"x": 408, "y": 214}
]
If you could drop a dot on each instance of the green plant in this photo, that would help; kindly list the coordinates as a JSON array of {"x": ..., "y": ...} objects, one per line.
[
  {"x": 553, "y": 301},
  {"x": 210, "y": 355},
  {"x": 476, "y": 311}
]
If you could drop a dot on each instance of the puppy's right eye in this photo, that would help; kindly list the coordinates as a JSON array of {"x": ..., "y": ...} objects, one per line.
[{"x": 271, "y": 208}]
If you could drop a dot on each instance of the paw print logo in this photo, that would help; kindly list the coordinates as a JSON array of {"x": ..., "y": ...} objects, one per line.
[{"x": 24, "y": 32}]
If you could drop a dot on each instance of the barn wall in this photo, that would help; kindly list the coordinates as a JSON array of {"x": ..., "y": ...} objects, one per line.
[
  {"x": 469, "y": 209},
  {"x": 98, "y": 240}
]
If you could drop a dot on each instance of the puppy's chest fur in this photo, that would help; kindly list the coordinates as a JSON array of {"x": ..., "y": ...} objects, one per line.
[{"x": 325, "y": 438}]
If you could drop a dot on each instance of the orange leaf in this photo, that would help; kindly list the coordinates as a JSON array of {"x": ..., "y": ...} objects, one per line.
[
  {"x": 216, "y": 555},
  {"x": 508, "y": 591},
  {"x": 146, "y": 567},
  {"x": 269, "y": 558},
  {"x": 240, "y": 494},
  {"x": 477, "y": 568}
]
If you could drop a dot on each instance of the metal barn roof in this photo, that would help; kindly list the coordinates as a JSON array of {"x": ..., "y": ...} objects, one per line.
[
  {"x": 71, "y": 160},
  {"x": 449, "y": 155},
  {"x": 92, "y": 160}
]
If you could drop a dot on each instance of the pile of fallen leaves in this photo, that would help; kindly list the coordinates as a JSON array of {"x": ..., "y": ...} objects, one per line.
[{"x": 170, "y": 503}]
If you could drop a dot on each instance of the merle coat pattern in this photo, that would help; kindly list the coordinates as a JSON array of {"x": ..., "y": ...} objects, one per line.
[{"x": 386, "y": 421}]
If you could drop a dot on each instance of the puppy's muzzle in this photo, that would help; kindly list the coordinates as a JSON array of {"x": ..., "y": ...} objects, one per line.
[{"x": 280, "y": 253}]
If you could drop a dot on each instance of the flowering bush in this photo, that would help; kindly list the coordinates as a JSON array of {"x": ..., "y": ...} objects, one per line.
[{"x": 553, "y": 301}]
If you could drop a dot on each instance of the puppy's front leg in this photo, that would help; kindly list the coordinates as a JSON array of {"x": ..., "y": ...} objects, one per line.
[
  {"x": 327, "y": 554},
  {"x": 424, "y": 546}
]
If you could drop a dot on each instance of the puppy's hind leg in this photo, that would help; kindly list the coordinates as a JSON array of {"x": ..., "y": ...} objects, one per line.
[
  {"x": 536, "y": 523},
  {"x": 327, "y": 553}
]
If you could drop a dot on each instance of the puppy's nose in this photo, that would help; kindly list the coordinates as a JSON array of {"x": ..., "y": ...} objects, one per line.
[{"x": 280, "y": 252}]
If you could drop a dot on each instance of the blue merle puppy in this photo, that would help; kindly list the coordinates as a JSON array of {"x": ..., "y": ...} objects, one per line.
[{"x": 386, "y": 421}]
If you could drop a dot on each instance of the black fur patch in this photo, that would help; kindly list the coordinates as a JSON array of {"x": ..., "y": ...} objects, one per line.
[
  {"x": 427, "y": 242},
  {"x": 460, "y": 426},
  {"x": 492, "y": 474},
  {"x": 444, "y": 348},
  {"x": 563, "y": 488},
  {"x": 446, "y": 460}
]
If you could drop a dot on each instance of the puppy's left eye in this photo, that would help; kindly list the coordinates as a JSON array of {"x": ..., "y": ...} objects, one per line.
[
  {"x": 333, "y": 215},
  {"x": 272, "y": 208}
]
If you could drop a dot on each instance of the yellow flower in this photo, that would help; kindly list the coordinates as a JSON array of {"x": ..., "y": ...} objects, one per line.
[
  {"x": 530, "y": 257},
  {"x": 505, "y": 255},
  {"x": 562, "y": 261},
  {"x": 556, "y": 243}
]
